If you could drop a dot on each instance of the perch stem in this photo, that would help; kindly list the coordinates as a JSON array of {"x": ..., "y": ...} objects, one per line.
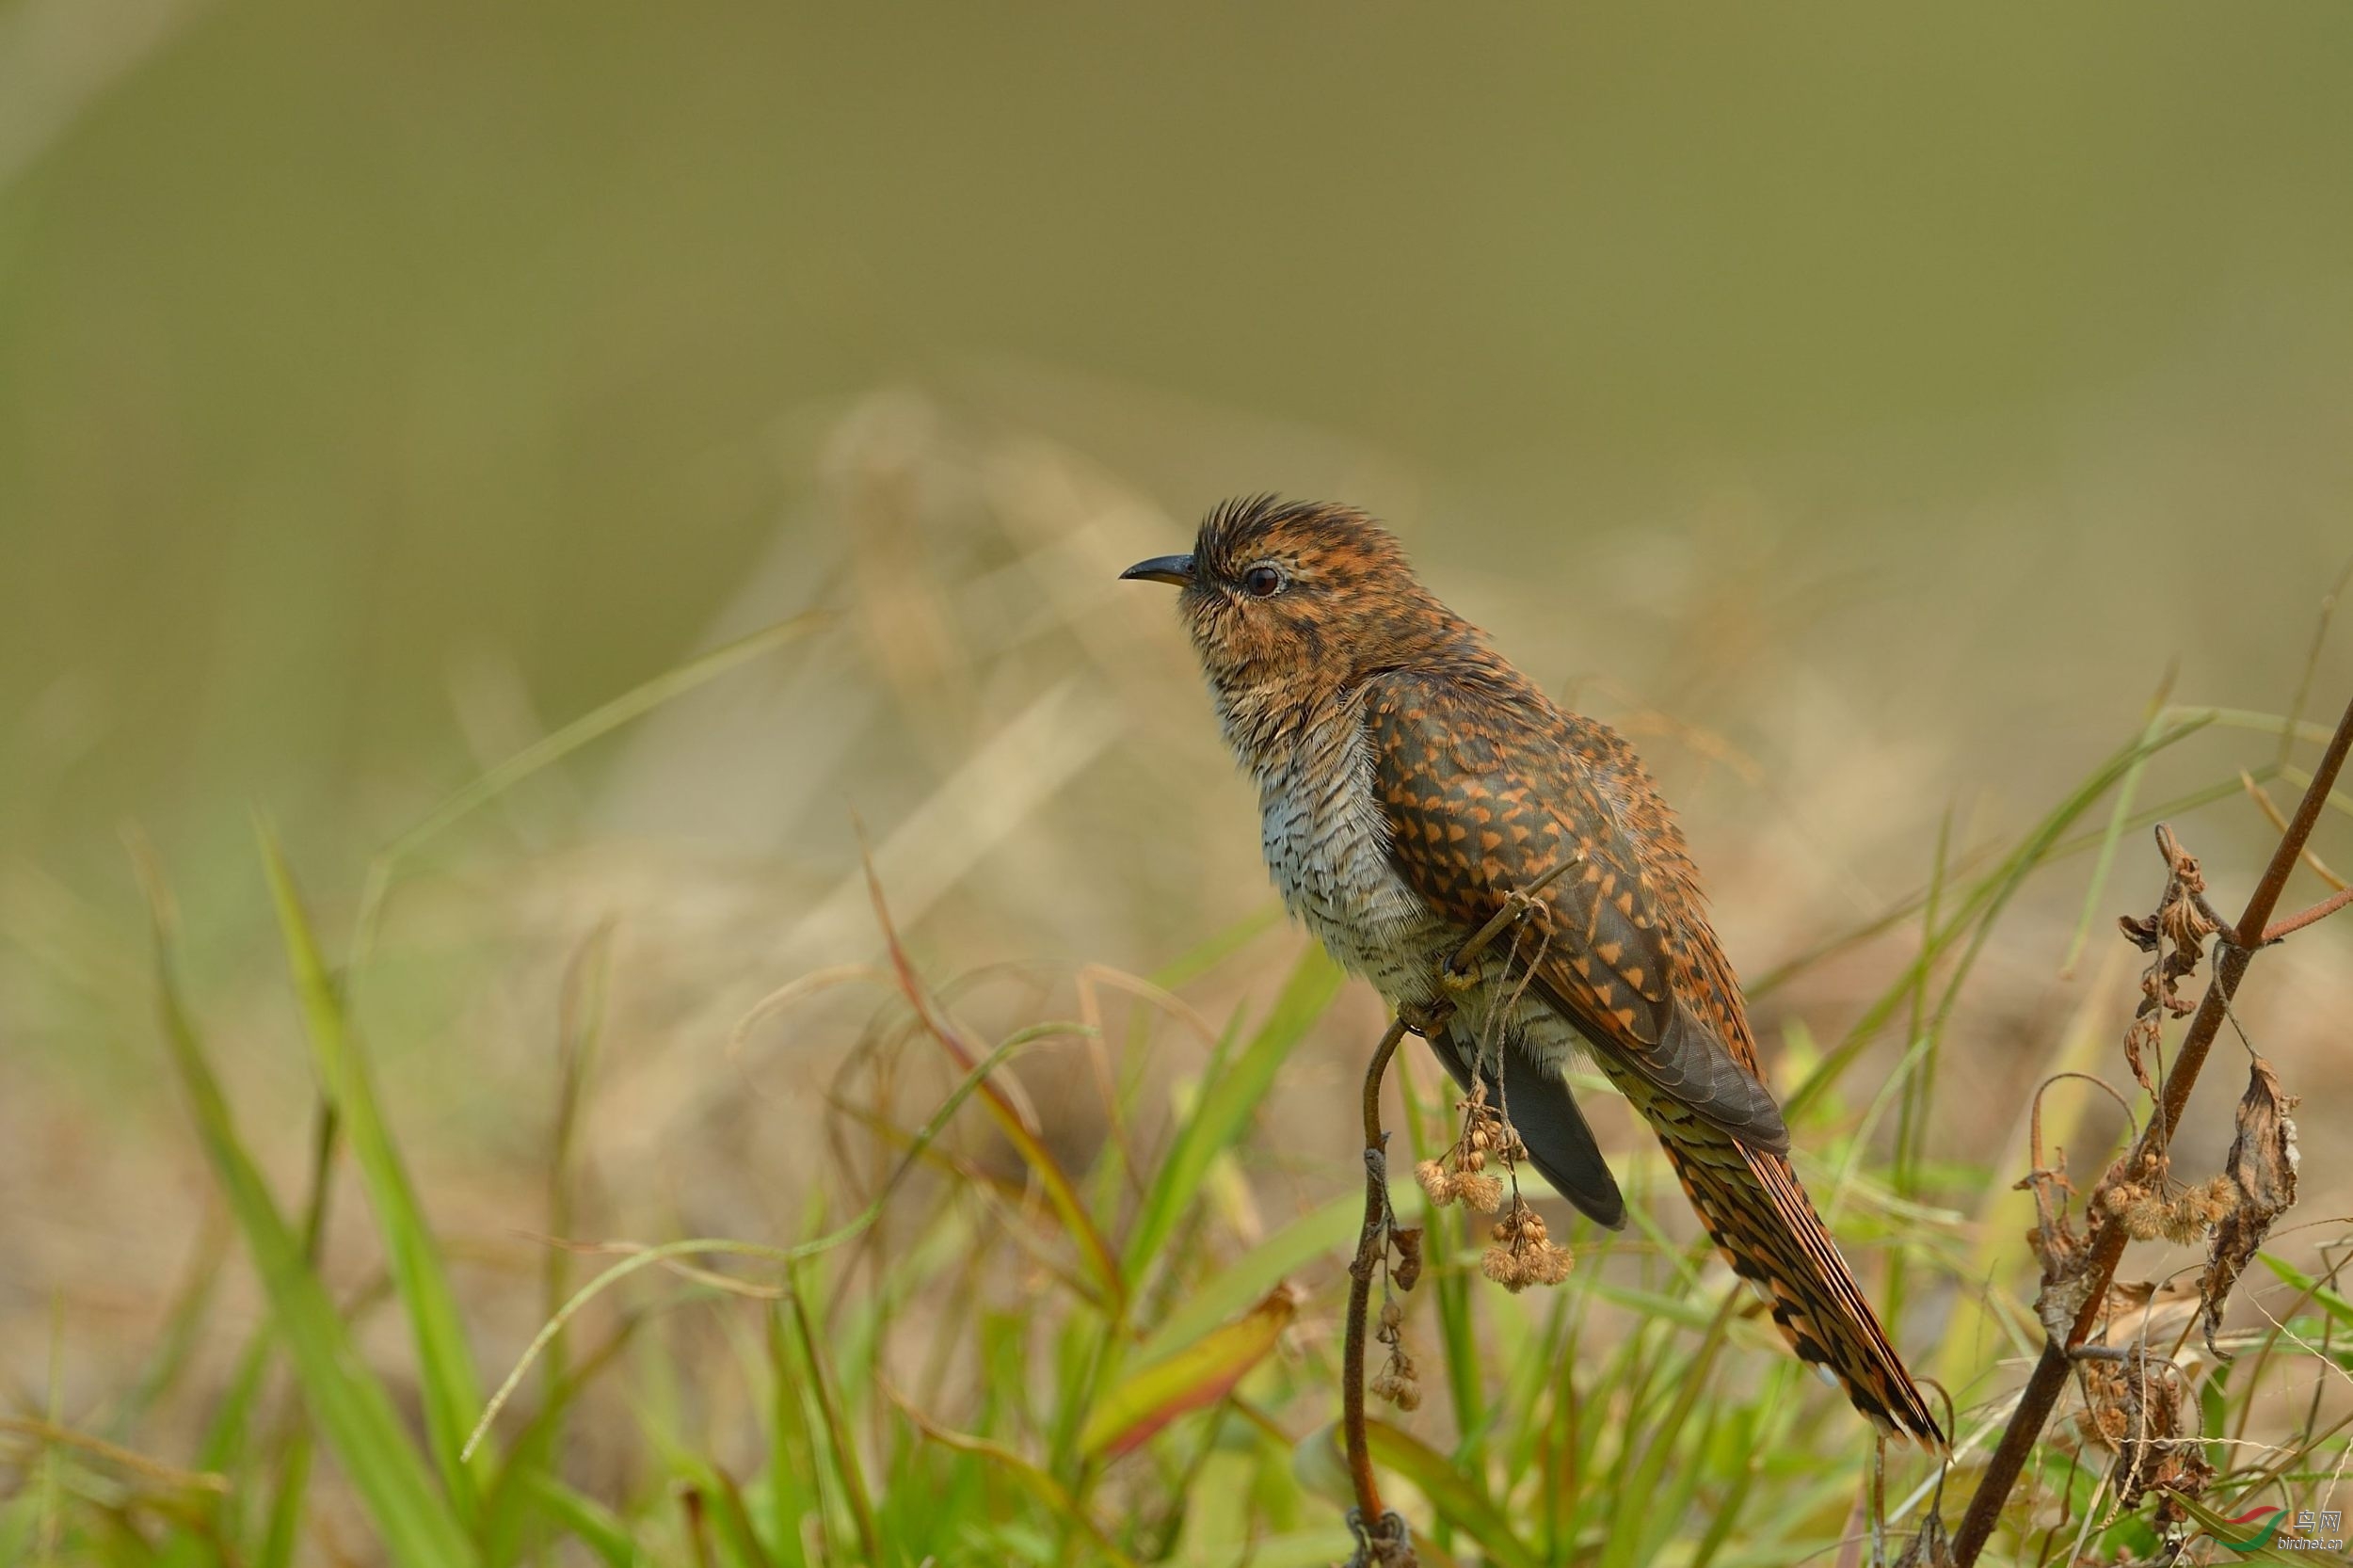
[
  {"x": 1371, "y": 1242},
  {"x": 1379, "y": 1538}
]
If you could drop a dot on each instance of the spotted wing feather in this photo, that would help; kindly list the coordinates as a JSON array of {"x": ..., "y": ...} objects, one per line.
[
  {"x": 1486, "y": 786},
  {"x": 1484, "y": 792}
]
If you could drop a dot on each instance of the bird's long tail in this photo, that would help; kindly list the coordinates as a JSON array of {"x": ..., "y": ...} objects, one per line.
[{"x": 1761, "y": 1219}]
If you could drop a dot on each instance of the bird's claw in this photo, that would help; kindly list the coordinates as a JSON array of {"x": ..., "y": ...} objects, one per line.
[
  {"x": 1459, "y": 978},
  {"x": 1424, "y": 1019},
  {"x": 1388, "y": 1544}
]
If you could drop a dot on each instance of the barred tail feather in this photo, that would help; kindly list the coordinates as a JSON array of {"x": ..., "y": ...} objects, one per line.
[{"x": 1760, "y": 1218}]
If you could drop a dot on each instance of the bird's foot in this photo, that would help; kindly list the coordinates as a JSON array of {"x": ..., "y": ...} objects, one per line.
[
  {"x": 1456, "y": 980},
  {"x": 1425, "y": 1018},
  {"x": 1388, "y": 1544}
]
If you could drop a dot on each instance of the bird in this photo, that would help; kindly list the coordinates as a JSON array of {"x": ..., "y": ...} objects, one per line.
[{"x": 1413, "y": 786}]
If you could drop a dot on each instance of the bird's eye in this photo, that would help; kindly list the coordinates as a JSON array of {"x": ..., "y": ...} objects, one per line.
[{"x": 1263, "y": 580}]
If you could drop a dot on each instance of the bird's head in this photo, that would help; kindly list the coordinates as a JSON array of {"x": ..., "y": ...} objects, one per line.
[{"x": 1301, "y": 597}]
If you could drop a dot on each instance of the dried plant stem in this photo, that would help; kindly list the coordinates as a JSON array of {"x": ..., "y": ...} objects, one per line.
[
  {"x": 1372, "y": 1244},
  {"x": 2106, "y": 1245},
  {"x": 2320, "y": 911},
  {"x": 1380, "y": 1536},
  {"x": 2279, "y": 823}
]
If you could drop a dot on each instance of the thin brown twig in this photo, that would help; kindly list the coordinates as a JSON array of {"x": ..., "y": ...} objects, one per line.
[
  {"x": 2106, "y": 1244},
  {"x": 51, "y": 1433},
  {"x": 2311, "y": 661},
  {"x": 2317, "y": 913}
]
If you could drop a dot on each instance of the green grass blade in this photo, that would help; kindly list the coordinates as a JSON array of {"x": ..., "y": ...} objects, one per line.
[
  {"x": 285, "y": 1514},
  {"x": 716, "y": 1504},
  {"x": 1061, "y": 1194},
  {"x": 1639, "y": 1521},
  {"x": 594, "y": 725},
  {"x": 580, "y": 1017},
  {"x": 2126, "y": 788},
  {"x": 590, "y": 1522},
  {"x": 1192, "y": 1378},
  {"x": 1749, "y": 1461},
  {"x": 223, "y": 1449},
  {"x": 849, "y": 1471},
  {"x": 183, "y": 1327},
  {"x": 509, "y": 1504},
  {"x": 857, "y": 1226},
  {"x": 2032, "y": 853},
  {"x": 1311, "y": 1238},
  {"x": 2221, "y": 1530},
  {"x": 351, "y": 1408},
  {"x": 791, "y": 1454},
  {"x": 1220, "y": 946},
  {"x": 2325, "y": 1299},
  {"x": 450, "y": 1386},
  {"x": 1979, "y": 910},
  {"x": 1032, "y": 1479},
  {"x": 1455, "y": 1494},
  {"x": 1228, "y": 1100}
]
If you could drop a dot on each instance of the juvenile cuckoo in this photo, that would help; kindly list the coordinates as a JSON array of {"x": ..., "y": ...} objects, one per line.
[{"x": 1409, "y": 781}]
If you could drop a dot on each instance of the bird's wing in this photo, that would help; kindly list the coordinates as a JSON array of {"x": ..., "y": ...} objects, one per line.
[{"x": 1484, "y": 791}]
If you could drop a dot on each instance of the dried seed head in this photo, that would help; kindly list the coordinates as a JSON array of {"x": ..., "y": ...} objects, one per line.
[
  {"x": 1523, "y": 1253},
  {"x": 1396, "y": 1381},
  {"x": 1392, "y": 1318},
  {"x": 2189, "y": 1216},
  {"x": 2136, "y": 1209},
  {"x": 1435, "y": 1182},
  {"x": 1520, "y": 1224},
  {"x": 1403, "y": 1392},
  {"x": 2148, "y": 1214},
  {"x": 2217, "y": 1198},
  {"x": 1547, "y": 1263},
  {"x": 2145, "y": 1218},
  {"x": 1482, "y": 1192},
  {"x": 1499, "y": 1264}
]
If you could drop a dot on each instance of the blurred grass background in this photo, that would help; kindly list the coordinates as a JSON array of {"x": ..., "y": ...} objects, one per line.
[{"x": 1866, "y": 408}]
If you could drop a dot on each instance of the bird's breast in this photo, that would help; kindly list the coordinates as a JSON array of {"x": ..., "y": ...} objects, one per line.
[{"x": 1327, "y": 845}]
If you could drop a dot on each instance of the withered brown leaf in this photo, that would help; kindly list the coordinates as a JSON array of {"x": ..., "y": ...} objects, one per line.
[
  {"x": 2262, "y": 1169},
  {"x": 1407, "y": 1240},
  {"x": 2133, "y": 1407}
]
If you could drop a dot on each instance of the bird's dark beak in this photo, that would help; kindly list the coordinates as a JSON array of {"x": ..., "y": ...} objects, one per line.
[{"x": 1162, "y": 568}]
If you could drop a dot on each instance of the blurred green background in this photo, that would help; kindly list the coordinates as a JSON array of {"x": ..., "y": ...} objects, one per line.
[
  {"x": 332, "y": 340},
  {"x": 1867, "y": 406}
]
